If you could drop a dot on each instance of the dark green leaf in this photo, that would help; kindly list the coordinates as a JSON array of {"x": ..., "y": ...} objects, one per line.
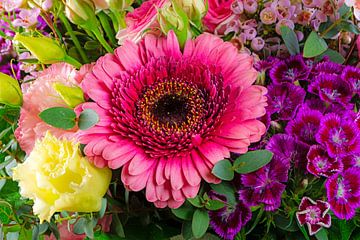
[
  {"x": 344, "y": 10},
  {"x": 348, "y": 26},
  {"x": 303, "y": 230},
  {"x": 214, "y": 205},
  {"x": 314, "y": 45},
  {"x": 184, "y": 212},
  {"x": 290, "y": 39},
  {"x": 346, "y": 229},
  {"x": 252, "y": 161},
  {"x": 321, "y": 235},
  {"x": 200, "y": 223},
  {"x": 119, "y": 229},
  {"x": 54, "y": 229},
  {"x": 226, "y": 189},
  {"x": 186, "y": 230},
  {"x": 223, "y": 170},
  {"x": 59, "y": 117},
  {"x": 285, "y": 223},
  {"x": 87, "y": 119},
  {"x": 35, "y": 232},
  {"x": 333, "y": 55}
]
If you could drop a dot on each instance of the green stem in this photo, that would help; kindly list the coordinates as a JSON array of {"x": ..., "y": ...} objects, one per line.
[
  {"x": 106, "y": 26},
  {"x": 73, "y": 37},
  {"x": 72, "y": 61},
  {"x": 330, "y": 28},
  {"x": 102, "y": 40}
]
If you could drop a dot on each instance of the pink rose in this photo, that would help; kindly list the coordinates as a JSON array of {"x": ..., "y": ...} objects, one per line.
[
  {"x": 219, "y": 11},
  {"x": 140, "y": 20}
]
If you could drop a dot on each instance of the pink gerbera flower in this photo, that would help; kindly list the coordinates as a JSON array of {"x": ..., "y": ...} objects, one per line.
[
  {"x": 40, "y": 95},
  {"x": 167, "y": 116}
]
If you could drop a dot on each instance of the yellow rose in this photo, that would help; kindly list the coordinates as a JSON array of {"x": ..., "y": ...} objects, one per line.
[{"x": 58, "y": 178}]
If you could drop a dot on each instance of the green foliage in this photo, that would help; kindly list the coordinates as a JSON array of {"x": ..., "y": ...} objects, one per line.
[
  {"x": 290, "y": 40},
  {"x": 59, "y": 117},
  {"x": 200, "y": 223},
  {"x": 87, "y": 119},
  {"x": 185, "y": 212},
  {"x": 252, "y": 161},
  {"x": 314, "y": 45},
  {"x": 223, "y": 170}
]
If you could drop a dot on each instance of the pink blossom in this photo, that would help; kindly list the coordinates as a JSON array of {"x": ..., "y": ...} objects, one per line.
[
  {"x": 250, "y": 6},
  {"x": 268, "y": 16},
  {"x": 157, "y": 124},
  {"x": 27, "y": 18},
  {"x": 356, "y": 5},
  {"x": 250, "y": 33},
  {"x": 284, "y": 22},
  {"x": 218, "y": 12},
  {"x": 143, "y": 18},
  {"x": 257, "y": 44},
  {"x": 10, "y": 5},
  {"x": 40, "y": 95},
  {"x": 237, "y": 7}
]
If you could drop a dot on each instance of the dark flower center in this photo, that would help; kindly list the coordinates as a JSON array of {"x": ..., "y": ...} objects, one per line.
[{"x": 171, "y": 109}]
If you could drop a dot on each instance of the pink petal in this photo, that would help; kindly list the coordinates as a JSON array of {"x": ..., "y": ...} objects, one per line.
[{"x": 190, "y": 172}]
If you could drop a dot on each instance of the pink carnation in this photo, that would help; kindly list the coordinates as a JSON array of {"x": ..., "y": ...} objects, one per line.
[
  {"x": 219, "y": 13},
  {"x": 39, "y": 96},
  {"x": 140, "y": 20},
  {"x": 167, "y": 116}
]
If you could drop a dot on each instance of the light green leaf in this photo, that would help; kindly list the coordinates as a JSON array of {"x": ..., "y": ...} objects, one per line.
[
  {"x": 314, "y": 45},
  {"x": 72, "y": 96},
  {"x": 87, "y": 119},
  {"x": 321, "y": 234}
]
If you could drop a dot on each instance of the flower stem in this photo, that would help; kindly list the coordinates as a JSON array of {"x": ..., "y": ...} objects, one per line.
[
  {"x": 72, "y": 61},
  {"x": 73, "y": 38},
  {"x": 102, "y": 40},
  {"x": 106, "y": 26}
]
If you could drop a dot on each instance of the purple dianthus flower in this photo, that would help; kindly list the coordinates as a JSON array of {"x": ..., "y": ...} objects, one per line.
[
  {"x": 320, "y": 163},
  {"x": 289, "y": 70}
]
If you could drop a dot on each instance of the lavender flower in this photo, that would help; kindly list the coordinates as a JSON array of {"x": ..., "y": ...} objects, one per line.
[
  {"x": 265, "y": 185},
  {"x": 332, "y": 89},
  {"x": 228, "y": 221},
  {"x": 290, "y": 70},
  {"x": 284, "y": 100},
  {"x": 343, "y": 193},
  {"x": 320, "y": 163},
  {"x": 340, "y": 137},
  {"x": 305, "y": 126},
  {"x": 314, "y": 214},
  {"x": 27, "y": 18}
]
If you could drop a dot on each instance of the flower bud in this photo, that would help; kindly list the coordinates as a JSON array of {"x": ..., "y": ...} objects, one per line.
[
  {"x": 257, "y": 44},
  {"x": 172, "y": 17},
  {"x": 10, "y": 92},
  {"x": 72, "y": 96},
  {"x": 45, "y": 49},
  {"x": 194, "y": 9},
  {"x": 82, "y": 13}
]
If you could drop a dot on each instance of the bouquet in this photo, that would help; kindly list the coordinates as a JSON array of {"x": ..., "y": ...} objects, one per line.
[{"x": 174, "y": 119}]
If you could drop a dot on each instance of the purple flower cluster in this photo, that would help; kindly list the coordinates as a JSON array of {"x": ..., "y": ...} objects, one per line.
[{"x": 314, "y": 103}]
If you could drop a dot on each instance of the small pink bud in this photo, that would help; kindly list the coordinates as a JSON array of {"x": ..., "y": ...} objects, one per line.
[
  {"x": 237, "y": 7},
  {"x": 250, "y": 6},
  {"x": 250, "y": 33},
  {"x": 268, "y": 16},
  {"x": 257, "y": 44}
]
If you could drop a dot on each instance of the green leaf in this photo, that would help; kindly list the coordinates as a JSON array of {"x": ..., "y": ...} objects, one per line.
[
  {"x": 303, "y": 230},
  {"x": 59, "y": 117},
  {"x": 348, "y": 26},
  {"x": 321, "y": 234},
  {"x": 196, "y": 201},
  {"x": 184, "y": 212},
  {"x": 186, "y": 231},
  {"x": 226, "y": 189},
  {"x": 346, "y": 229},
  {"x": 223, "y": 170},
  {"x": 103, "y": 207},
  {"x": 290, "y": 39},
  {"x": 344, "y": 10},
  {"x": 72, "y": 96},
  {"x": 252, "y": 161},
  {"x": 214, "y": 205},
  {"x": 119, "y": 229},
  {"x": 333, "y": 55},
  {"x": 87, "y": 119},
  {"x": 89, "y": 228},
  {"x": 79, "y": 226},
  {"x": 200, "y": 223},
  {"x": 314, "y": 45},
  {"x": 54, "y": 229},
  {"x": 6, "y": 212}
]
